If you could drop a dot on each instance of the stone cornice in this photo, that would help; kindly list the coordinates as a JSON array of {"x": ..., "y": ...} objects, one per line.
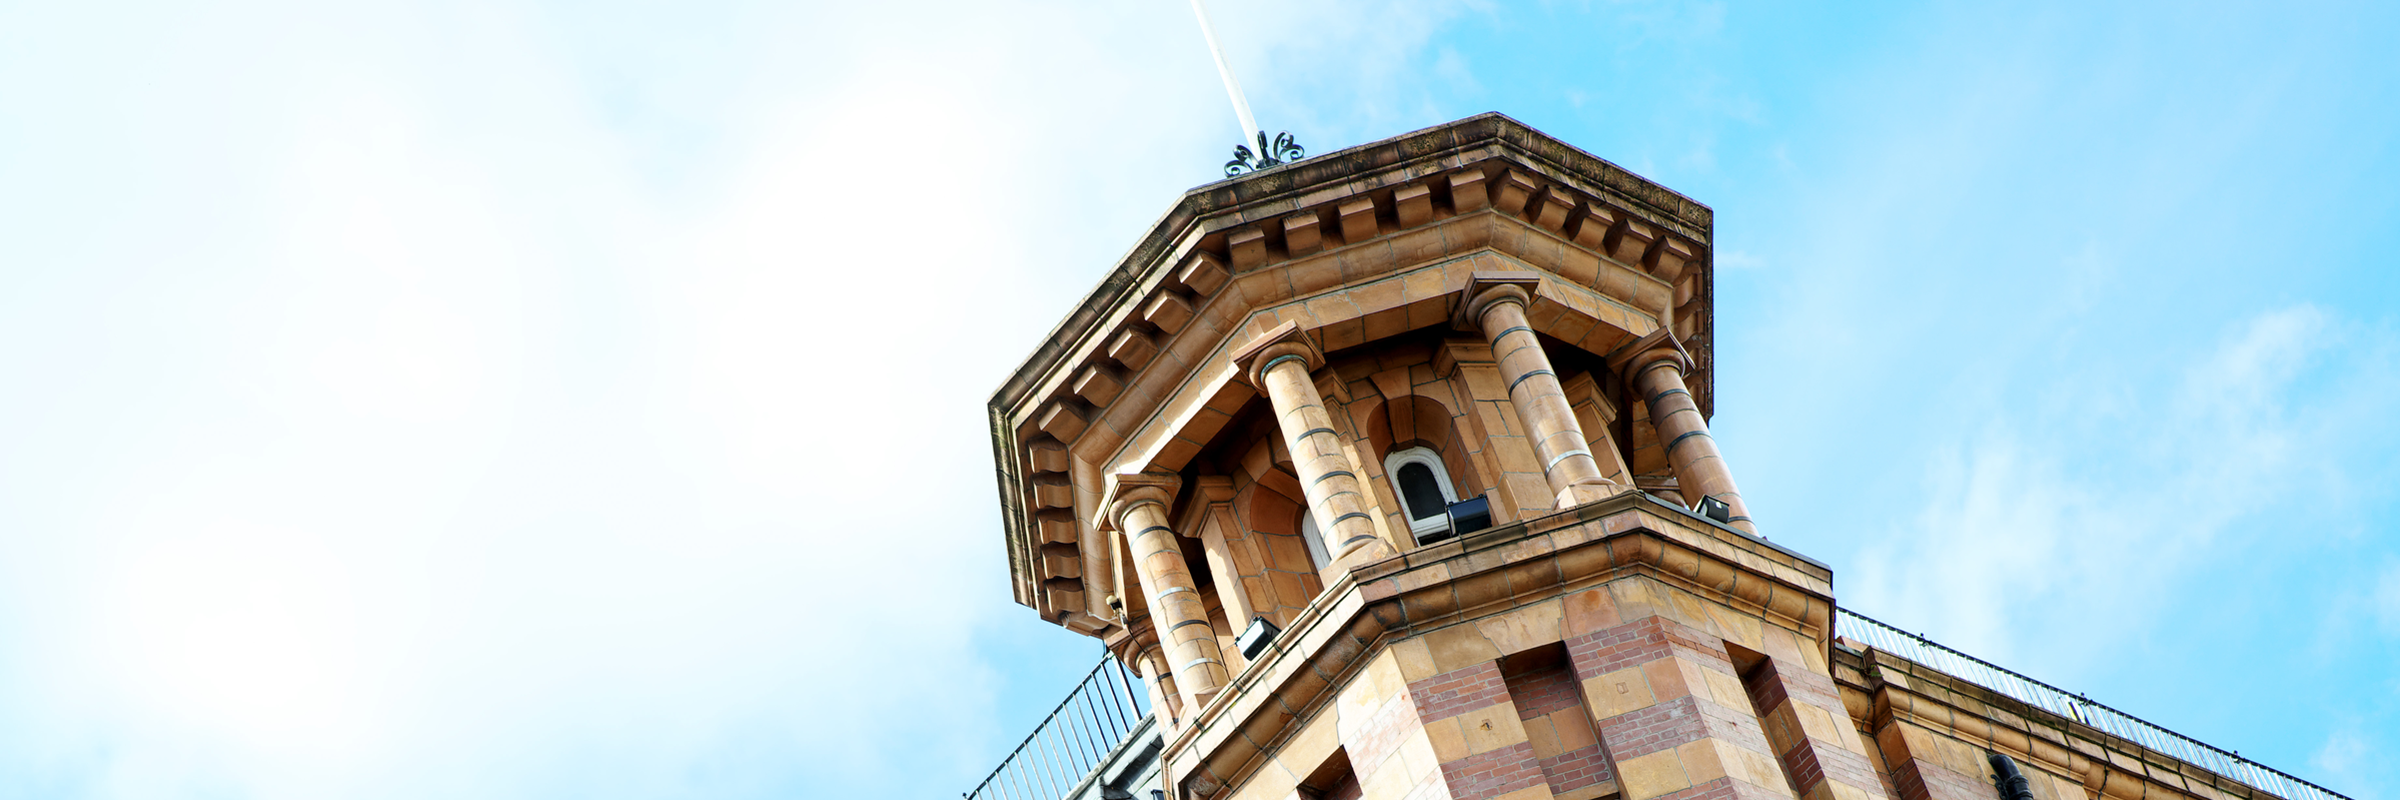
[{"x": 1281, "y": 190}]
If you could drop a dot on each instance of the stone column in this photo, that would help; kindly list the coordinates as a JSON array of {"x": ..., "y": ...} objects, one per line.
[
  {"x": 1137, "y": 505},
  {"x": 1165, "y": 701},
  {"x": 1656, "y": 371},
  {"x": 1495, "y": 303},
  {"x": 1279, "y": 364}
]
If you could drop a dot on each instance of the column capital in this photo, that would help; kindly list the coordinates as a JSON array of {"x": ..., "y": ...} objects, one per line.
[
  {"x": 1648, "y": 351},
  {"x": 1127, "y": 492},
  {"x": 1132, "y": 640},
  {"x": 1272, "y": 347},
  {"x": 1487, "y": 289}
]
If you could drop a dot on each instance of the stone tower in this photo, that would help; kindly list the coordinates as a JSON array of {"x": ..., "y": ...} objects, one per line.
[{"x": 1390, "y": 472}]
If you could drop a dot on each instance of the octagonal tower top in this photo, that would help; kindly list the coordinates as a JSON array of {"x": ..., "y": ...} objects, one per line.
[{"x": 1476, "y": 299}]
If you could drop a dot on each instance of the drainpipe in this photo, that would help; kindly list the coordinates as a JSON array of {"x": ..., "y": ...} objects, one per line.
[{"x": 2011, "y": 783}]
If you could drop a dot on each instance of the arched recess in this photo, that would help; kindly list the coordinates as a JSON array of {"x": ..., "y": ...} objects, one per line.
[
  {"x": 1409, "y": 421},
  {"x": 1291, "y": 578}
]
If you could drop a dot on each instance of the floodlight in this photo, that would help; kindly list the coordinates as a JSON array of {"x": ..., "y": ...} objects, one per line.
[
  {"x": 1254, "y": 640},
  {"x": 1716, "y": 509}
]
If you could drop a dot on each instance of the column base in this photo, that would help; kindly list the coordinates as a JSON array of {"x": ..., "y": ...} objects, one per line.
[
  {"x": 1368, "y": 553},
  {"x": 1582, "y": 493}
]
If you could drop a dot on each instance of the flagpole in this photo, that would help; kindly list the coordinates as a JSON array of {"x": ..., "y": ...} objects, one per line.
[
  {"x": 1270, "y": 153},
  {"x": 1241, "y": 105}
]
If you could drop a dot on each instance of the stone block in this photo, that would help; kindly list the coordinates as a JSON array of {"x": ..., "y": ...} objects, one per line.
[
  {"x": 1623, "y": 691},
  {"x": 1467, "y": 191},
  {"x": 1630, "y": 241},
  {"x": 1652, "y": 775},
  {"x": 1574, "y": 727},
  {"x": 1514, "y": 190},
  {"x": 1061, "y": 561},
  {"x": 1476, "y": 591},
  {"x": 1726, "y": 689},
  {"x": 1169, "y": 311},
  {"x": 1204, "y": 274},
  {"x": 1589, "y": 611},
  {"x": 1415, "y": 205},
  {"x": 1701, "y": 761},
  {"x": 1302, "y": 234},
  {"x": 1051, "y": 493},
  {"x": 1543, "y": 736},
  {"x": 1358, "y": 220},
  {"x": 1098, "y": 386},
  {"x": 1592, "y": 232},
  {"x": 1060, "y": 529},
  {"x": 1132, "y": 348},
  {"x": 1491, "y": 727},
  {"x": 1248, "y": 245},
  {"x": 1666, "y": 678},
  {"x": 1048, "y": 457},
  {"x": 1458, "y": 647},
  {"x": 1062, "y": 420},
  {"x": 1556, "y": 203},
  {"x": 1522, "y": 629},
  {"x": 1415, "y": 660},
  {"x": 1449, "y": 741},
  {"x": 1065, "y": 594}
]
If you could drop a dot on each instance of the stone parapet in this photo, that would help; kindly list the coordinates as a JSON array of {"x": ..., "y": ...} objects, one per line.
[
  {"x": 1395, "y": 657},
  {"x": 1932, "y": 730}
]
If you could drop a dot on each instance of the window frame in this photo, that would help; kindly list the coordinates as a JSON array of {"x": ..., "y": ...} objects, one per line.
[
  {"x": 1441, "y": 479},
  {"x": 1319, "y": 555}
]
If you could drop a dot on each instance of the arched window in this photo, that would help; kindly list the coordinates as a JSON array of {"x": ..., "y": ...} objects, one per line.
[
  {"x": 1417, "y": 475},
  {"x": 1317, "y": 553}
]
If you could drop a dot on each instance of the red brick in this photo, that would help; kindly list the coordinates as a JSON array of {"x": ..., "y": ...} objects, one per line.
[{"x": 1493, "y": 772}]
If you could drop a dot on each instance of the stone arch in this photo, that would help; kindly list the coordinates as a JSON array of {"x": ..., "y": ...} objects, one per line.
[
  {"x": 1418, "y": 420},
  {"x": 1415, "y": 420}
]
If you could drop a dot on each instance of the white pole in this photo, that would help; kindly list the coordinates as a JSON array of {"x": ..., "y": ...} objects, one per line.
[{"x": 1241, "y": 105}]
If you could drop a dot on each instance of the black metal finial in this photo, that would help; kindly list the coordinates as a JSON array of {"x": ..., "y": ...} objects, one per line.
[{"x": 1283, "y": 151}]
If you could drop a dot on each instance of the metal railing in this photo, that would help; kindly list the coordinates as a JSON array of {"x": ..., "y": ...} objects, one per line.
[
  {"x": 1077, "y": 737},
  {"x": 1917, "y": 648}
]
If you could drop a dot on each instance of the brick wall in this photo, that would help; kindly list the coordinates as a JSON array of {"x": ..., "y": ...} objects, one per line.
[
  {"x": 1345, "y": 789},
  {"x": 1557, "y": 724},
  {"x": 1812, "y": 733},
  {"x": 1493, "y": 756},
  {"x": 1672, "y": 714}
]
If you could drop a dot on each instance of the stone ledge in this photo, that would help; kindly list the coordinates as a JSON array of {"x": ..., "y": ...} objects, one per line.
[
  {"x": 1911, "y": 695},
  {"x": 1488, "y": 573}
]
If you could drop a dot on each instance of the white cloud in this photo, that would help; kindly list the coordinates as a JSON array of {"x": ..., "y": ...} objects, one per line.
[
  {"x": 2385, "y": 601},
  {"x": 1736, "y": 260},
  {"x": 2349, "y": 760},
  {"x": 502, "y": 401},
  {"x": 2038, "y": 515}
]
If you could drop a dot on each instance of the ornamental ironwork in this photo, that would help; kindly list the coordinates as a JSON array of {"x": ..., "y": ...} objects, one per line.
[{"x": 1282, "y": 151}]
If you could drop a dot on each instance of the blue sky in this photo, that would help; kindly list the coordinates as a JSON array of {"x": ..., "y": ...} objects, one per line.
[{"x": 524, "y": 399}]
